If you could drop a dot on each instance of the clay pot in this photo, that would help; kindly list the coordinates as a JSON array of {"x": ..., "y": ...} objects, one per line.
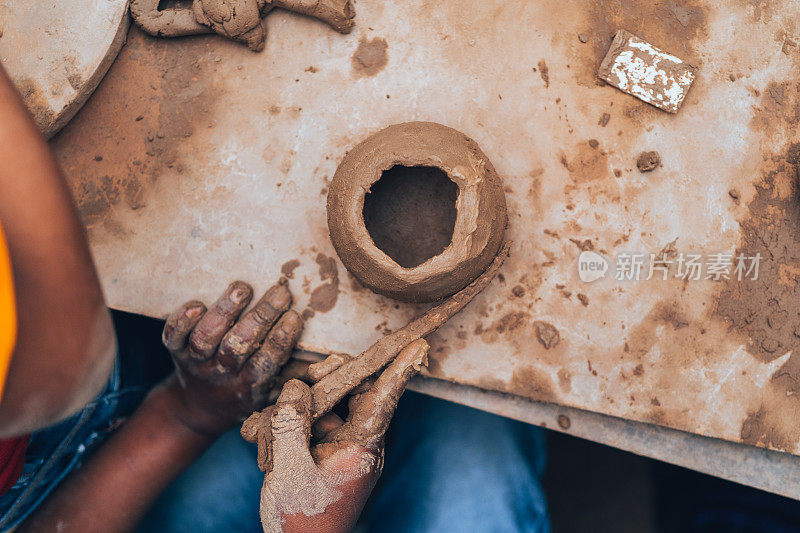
[{"x": 480, "y": 219}]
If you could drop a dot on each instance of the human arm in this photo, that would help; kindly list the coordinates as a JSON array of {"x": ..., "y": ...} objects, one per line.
[
  {"x": 65, "y": 342},
  {"x": 226, "y": 363}
]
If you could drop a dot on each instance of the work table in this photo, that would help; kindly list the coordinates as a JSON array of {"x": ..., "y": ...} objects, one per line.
[{"x": 197, "y": 162}]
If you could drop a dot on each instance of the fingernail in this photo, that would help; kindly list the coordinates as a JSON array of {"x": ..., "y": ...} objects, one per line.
[
  {"x": 280, "y": 297},
  {"x": 193, "y": 312},
  {"x": 291, "y": 323},
  {"x": 239, "y": 294}
]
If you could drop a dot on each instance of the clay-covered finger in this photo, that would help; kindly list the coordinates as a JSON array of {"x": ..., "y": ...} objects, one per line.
[
  {"x": 248, "y": 333},
  {"x": 256, "y": 429},
  {"x": 266, "y": 363},
  {"x": 253, "y": 424},
  {"x": 291, "y": 427},
  {"x": 208, "y": 333},
  {"x": 180, "y": 324},
  {"x": 317, "y": 371},
  {"x": 371, "y": 413}
]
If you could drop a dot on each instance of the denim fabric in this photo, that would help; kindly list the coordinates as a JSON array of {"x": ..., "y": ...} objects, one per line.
[
  {"x": 453, "y": 469},
  {"x": 56, "y": 451},
  {"x": 448, "y": 468},
  {"x": 221, "y": 492}
]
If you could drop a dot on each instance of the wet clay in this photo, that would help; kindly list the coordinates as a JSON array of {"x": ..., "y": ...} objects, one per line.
[
  {"x": 239, "y": 20},
  {"x": 768, "y": 309},
  {"x": 648, "y": 161},
  {"x": 480, "y": 206},
  {"x": 370, "y": 57}
]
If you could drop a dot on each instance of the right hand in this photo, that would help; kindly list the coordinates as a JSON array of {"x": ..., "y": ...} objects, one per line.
[
  {"x": 225, "y": 363},
  {"x": 318, "y": 479}
]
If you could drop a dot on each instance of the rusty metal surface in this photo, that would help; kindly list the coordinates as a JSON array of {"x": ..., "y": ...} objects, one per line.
[
  {"x": 57, "y": 53},
  {"x": 197, "y": 162}
]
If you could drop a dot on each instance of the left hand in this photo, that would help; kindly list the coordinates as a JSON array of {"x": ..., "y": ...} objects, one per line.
[{"x": 226, "y": 365}]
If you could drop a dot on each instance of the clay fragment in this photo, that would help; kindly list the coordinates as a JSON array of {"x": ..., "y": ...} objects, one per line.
[
  {"x": 480, "y": 211},
  {"x": 648, "y": 161},
  {"x": 638, "y": 68},
  {"x": 547, "y": 334},
  {"x": 171, "y": 22}
]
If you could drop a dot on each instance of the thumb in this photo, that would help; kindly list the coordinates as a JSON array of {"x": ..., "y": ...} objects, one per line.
[{"x": 291, "y": 427}]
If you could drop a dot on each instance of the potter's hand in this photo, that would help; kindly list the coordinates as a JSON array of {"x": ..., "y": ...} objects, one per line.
[
  {"x": 323, "y": 487},
  {"x": 225, "y": 365}
]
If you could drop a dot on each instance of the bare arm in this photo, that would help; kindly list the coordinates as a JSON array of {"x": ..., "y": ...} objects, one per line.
[
  {"x": 226, "y": 367},
  {"x": 65, "y": 345},
  {"x": 122, "y": 480}
]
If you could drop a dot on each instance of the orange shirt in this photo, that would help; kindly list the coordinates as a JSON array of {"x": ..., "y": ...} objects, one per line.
[
  {"x": 8, "y": 312},
  {"x": 12, "y": 451}
]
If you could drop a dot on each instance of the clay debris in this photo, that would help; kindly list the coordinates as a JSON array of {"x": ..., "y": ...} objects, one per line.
[
  {"x": 547, "y": 334},
  {"x": 648, "y": 161},
  {"x": 638, "y": 68}
]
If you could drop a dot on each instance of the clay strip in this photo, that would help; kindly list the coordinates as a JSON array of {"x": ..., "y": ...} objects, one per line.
[{"x": 332, "y": 388}]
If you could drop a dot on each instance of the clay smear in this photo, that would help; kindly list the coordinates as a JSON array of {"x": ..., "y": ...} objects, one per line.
[{"x": 370, "y": 57}]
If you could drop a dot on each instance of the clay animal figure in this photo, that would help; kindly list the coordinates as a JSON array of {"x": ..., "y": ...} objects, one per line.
[{"x": 240, "y": 20}]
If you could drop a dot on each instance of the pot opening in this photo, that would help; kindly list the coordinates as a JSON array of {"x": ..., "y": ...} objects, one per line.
[{"x": 410, "y": 213}]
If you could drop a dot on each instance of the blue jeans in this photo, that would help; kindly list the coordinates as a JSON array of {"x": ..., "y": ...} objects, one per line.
[
  {"x": 56, "y": 451},
  {"x": 453, "y": 469},
  {"x": 448, "y": 469}
]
